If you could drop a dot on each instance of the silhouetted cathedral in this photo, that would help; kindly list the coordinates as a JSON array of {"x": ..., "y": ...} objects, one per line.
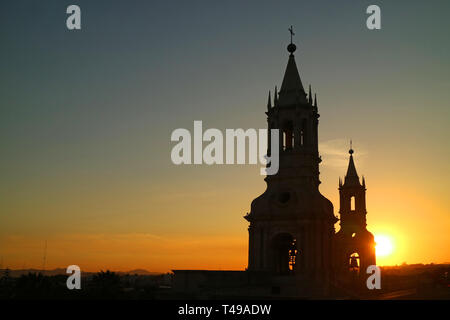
[
  {"x": 291, "y": 228},
  {"x": 294, "y": 250}
]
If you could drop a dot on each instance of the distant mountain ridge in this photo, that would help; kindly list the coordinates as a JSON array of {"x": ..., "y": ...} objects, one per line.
[{"x": 58, "y": 271}]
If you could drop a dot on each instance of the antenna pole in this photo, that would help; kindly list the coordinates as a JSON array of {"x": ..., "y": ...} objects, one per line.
[{"x": 45, "y": 257}]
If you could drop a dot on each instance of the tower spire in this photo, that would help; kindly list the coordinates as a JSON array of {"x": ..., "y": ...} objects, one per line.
[
  {"x": 275, "y": 97},
  {"x": 292, "y": 91},
  {"x": 351, "y": 178},
  {"x": 269, "y": 103},
  {"x": 310, "y": 95}
]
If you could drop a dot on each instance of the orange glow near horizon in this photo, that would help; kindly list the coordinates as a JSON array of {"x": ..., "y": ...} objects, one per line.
[{"x": 197, "y": 233}]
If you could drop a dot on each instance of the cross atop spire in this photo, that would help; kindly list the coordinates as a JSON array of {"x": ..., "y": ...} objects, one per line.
[
  {"x": 291, "y": 30},
  {"x": 291, "y": 47}
]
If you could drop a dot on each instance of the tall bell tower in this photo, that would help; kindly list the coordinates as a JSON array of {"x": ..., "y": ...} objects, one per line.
[
  {"x": 292, "y": 223},
  {"x": 355, "y": 245}
]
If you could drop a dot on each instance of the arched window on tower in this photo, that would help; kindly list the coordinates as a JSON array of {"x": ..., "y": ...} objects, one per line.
[
  {"x": 284, "y": 254},
  {"x": 288, "y": 140},
  {"x": 288, "y": 137},
  {"x": 354, "y": 263},
  {"x": 352, "y": 203},
  {"x": 293, "y": 255},
  {"x": 303, "y": 133}
]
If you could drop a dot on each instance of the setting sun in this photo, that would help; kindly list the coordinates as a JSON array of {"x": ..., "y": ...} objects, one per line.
[{"x": 383, "y": 245}]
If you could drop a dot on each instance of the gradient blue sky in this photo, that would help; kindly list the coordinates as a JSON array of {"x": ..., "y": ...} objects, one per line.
[{"x": 86, "y": 118}]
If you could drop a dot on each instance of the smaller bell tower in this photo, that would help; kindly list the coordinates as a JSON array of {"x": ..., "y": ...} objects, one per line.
[{"x": 355, "y": 244}]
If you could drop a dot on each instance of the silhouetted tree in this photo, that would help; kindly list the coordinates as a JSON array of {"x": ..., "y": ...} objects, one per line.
[
  {"x": 32, "y": 286},
  {"x": 6, "y": 284},
  {"x": 105, "y": 285}
]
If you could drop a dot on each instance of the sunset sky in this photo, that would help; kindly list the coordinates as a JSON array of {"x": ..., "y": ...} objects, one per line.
[{"x": 86, "y": 118}]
